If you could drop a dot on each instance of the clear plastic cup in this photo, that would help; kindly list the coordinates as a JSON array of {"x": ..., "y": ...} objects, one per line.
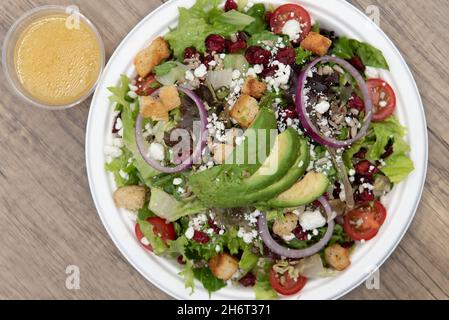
[{"x": 9, "y": 47}]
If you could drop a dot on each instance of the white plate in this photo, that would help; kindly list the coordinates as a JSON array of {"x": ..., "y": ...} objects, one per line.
[{"x": 337, "y": 15}]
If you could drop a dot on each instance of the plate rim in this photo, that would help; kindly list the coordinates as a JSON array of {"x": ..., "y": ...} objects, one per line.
[{"x": 125, "y": 254}]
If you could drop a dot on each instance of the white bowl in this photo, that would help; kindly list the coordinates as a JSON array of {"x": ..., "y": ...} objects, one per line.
[{"x": 337, "y": 15}]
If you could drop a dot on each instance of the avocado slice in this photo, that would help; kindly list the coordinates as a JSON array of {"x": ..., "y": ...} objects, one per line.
[
  {"x": 227, "y": 186},
  {"x": 309, "y": 189},
  {"x": 245, "y": 154},
  {"x": 292, "y": 176}
]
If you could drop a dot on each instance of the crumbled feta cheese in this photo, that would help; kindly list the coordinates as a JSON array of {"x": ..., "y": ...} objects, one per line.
[
  {"x": 351, "y": 172},
  {"x": 145, "y": 241},
  {"x": 189, "y": 75},
  {"x": 315, "y": 232},
  {"x": 201, "y": 71},
  {"x": 132, "y": 95},
  {"x": 247, "y": 236},
  {"x": 383, "y": 104},
  {"x": 190, "y": 232},
  {"x": 236, "y": 74},
  {"x": 372, "y": 73},
  {"x": 181, "y": 190},
  {"x": 258, "y": 68},
  {"x": 310, "y": 220},
  {"x": 217, "y": 248},
  {"x": 133, "y": 88},
  {"x": 177, "y": 181},
  {"x": 289, "y": 238},
  {"x": 124, "y": 175},
  {"x": 112, "y": 151},
  {"x": 156, "y": 151},
  {"x": 292, "y": 28},
  {"x": 322, "y": 107}
]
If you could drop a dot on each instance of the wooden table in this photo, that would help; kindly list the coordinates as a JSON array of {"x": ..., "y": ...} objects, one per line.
[{"x": 48, "y": 219}]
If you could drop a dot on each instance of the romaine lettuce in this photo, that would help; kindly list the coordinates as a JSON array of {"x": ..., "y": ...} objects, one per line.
[{"x": 398, "y": 165}]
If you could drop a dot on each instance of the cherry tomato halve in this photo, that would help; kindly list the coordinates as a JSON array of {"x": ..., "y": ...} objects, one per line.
[
  {"x": 384, "y": 99},
  {"x": 364, "y": 222},
  {"x": 146, "y": 86},
  {"x": 285, "y": 285},
  {"x": 166, "y": 231},
  {"x": 291, "y": 12}
]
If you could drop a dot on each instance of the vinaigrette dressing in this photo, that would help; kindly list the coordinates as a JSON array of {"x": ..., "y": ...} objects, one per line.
[{"x": 55, "y": 64}]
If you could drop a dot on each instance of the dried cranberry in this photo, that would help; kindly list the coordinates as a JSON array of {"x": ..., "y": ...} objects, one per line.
[
  {"x": 268, "y": 16},
  {"x": 270, "y": 254},
  {"x": 233, "y": 47},
  {"x": 241, "y": 36},
  {"x": 180, "y": 260},
  {"x": 291, "y": 114},
  {"x": 366, "y": 169},
  {"x": 286, "y": 56},
  {"x": 190, "y": 53},
  {"x": 230, "y": 5},
  {"x": 355, "y": 102},
  {"x": 201, "y": 237},
  {"x": 215, "y": 43},
  {"x": 388, "y": 150},
  {"x": 214, "y": 226},
  {"x": 257, "y": 55},
  {"x": 300, "y": 234},
  {"x": 361, "y": 154},
  {"x": 337, "y": 190},
  {"x": 207, "y": 59},
  {"x": 348, "y": 245},
  {"x": 363, "y": 197},
  {"x": 249, "y": 280},
  {"x": 357, "y": 63},
  {"x": 268, "y": 71},
  {"x": 114, "y": 125}
]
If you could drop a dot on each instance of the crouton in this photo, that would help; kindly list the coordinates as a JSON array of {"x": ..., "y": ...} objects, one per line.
[
  {"x": 169, "y": 96},
  {"x": 245, "y": 110},
  {"x": 223, "y": 266},
  {"x": 316, "y": 43},
  {"x": 254, "y": 88},
  {"x": 222, "y": 152},
  {"x": 130, "y": 197},
  {"x": 150, "y": 57},
  {"x": 284, "y": 227},
  {"x": 337, "y": 257},
  {"x": 151, "y": 107}
]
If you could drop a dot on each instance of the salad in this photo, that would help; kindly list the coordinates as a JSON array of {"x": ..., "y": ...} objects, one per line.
[{"x": 255, "y": 147}]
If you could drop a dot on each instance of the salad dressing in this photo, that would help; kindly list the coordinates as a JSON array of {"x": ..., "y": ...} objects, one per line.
[{"x": 55, "y": 64}]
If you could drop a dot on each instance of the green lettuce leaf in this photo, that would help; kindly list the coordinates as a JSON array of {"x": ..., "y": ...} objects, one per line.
[
  {"x": 264, "y": 291},
  {"x": 209, "y": 281},
  {"x": 302, "y": 56},
  {"x": 164, "y": 68},
  {"x": 123, "y": 164},
  {"x": 248, "y": 261},
  {"x": 156, "y": 242},
  {"x": 129, "y": 115},
  {"x": 201, "y": 20},
  {"x": 259, "y": 24},
  {"x": 166, "y": 206},
  {"x": 267, "y": 38},
  {"x": 348, "y": 48},
  {"x": 397, "y": 166}
]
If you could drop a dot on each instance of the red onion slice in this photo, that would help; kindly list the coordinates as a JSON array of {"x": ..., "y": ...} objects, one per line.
[
  {"x": 292, "y": 253},
  {"x": 200, "y": 145},
  {"x": 301, "y": 105}
]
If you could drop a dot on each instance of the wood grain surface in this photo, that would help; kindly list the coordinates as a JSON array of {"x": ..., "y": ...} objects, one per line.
[{"x": 48, "y": 219}]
